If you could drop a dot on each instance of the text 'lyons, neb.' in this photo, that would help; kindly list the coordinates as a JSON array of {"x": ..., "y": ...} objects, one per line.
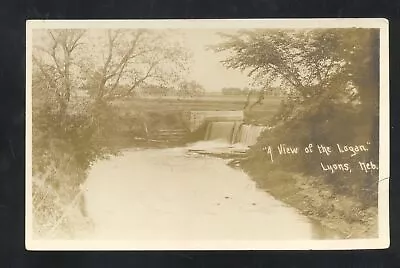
[{"x": 326, "y": 151}]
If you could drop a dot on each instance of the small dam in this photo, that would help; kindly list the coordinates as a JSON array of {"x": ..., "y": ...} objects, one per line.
[
  {"x": 234, "y": 132},
  {"x": 224, "y": 126}
]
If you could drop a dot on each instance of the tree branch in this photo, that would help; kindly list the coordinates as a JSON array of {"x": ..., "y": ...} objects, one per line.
[
  {"x": 141, "y": 80},
  {"x": 118, "y": 70}
]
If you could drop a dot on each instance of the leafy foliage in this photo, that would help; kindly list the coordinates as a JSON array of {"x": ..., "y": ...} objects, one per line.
[
  {"x": 130, "y": 59},
  {"x": 309, "y": 65}
]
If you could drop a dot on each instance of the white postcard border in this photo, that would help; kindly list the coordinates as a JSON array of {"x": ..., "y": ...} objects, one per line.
[{"x": 383, "y": 196}]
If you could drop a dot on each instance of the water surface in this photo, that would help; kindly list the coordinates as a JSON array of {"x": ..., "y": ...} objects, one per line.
[{"x": 176, "y": 194}]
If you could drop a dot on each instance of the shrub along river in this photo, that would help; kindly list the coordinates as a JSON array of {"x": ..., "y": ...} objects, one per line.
[{"x": 176, "y": 193}]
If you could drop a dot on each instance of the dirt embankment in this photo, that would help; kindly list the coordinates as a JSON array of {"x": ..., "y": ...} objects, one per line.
[{"x": 317, "y": 200}]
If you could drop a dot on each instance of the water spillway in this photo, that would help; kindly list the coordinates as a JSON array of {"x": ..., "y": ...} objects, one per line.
[
  {"x": 195, "y": 119},
  {"x": 225, "y": 131},
  {"x": 248, "y": 134},
  {"x": 234, "y": 132}
]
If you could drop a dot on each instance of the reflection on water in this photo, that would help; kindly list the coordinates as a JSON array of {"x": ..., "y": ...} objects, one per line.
[{"x": 172, "y": 194}]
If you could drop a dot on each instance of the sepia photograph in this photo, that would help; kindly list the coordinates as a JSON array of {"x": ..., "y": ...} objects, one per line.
[{"x": 207, "y": 134}]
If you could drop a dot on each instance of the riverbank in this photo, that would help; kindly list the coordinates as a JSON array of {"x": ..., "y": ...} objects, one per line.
[
  {"x": 318, "y": 201},
  {"x": 59, "y": 214}
]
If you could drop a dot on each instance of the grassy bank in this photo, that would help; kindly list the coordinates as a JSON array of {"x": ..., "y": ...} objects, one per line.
[
  {"x": 344, "y": 201},
  {"x": 318, "y": 200},
  {"x": 58, "y": 200}
]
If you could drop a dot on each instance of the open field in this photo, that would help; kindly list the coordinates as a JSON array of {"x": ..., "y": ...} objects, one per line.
[{"x": 203, "y": 103}]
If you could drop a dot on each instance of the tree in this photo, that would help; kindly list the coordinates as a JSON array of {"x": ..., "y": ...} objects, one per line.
[
  {"x": 231, "y": 91},
  {"x": 156, "y": 90},
  {"x": 108, "y": 64},
  {"x": 312, "y": 65},
  {"x": 53, "y": 66},
  {"x": 190, "y": 89},
  {"x": 133, "y": 58},
  {"x": 100, "y": 60}
]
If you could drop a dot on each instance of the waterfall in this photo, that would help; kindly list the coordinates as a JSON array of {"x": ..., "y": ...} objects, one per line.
[
  {"x": 248, "y": 134},
  {"x": 220, "y": 131},
  {"x": 234, "y": 132}
]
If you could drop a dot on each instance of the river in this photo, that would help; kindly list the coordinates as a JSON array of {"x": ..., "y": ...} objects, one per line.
[{"x": 177, "y": 194}]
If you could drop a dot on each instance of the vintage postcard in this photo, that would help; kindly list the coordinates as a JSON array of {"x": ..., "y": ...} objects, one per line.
[{"x": 207, "y": 134}]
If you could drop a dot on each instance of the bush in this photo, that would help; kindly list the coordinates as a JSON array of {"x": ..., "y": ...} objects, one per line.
[{"x": 64, "y": 147}]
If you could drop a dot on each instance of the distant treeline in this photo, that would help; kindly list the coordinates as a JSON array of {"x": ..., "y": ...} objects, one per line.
[
  {"x": 184, "y": 89},
  {"x": 272, "y": 91}
]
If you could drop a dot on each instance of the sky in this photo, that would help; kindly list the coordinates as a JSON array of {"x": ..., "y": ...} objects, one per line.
[{"x": 206, "y": 67}]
